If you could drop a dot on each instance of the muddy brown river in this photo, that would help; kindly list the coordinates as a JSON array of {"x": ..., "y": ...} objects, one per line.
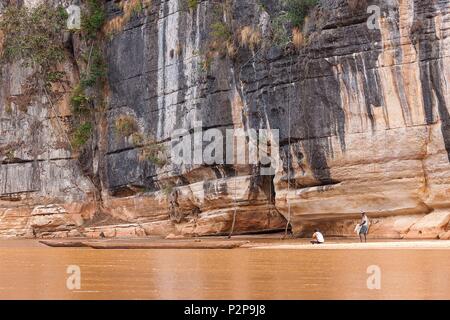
[{"x": 38, "y": 272}]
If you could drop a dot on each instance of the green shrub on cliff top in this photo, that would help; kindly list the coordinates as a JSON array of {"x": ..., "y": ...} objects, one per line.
[
  {"x": 81, "y": 135},
  {"x": 297, "y": 11},
  {"x": 35, "y": 37},
  {"x": 221, "y": 31},
  {"x": 126, "y": 125},
  {"x": 97, "y": 69},
  {"x": 192, "y": 4},
  {"x": 292, "y": 17},
  {"x": 79, "y": 101},
  {"x": 93, "y": 18}
]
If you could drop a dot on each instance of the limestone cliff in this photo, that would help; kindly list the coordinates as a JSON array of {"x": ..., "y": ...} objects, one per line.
[{"x": 363, "y": 115}]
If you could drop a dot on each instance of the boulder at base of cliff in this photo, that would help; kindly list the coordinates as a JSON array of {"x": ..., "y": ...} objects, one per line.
[
  {"x": 53, "y": 218},
  {"x": 431, "y": 226}
]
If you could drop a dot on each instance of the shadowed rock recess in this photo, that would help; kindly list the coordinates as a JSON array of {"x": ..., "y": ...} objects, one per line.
[{"x": 363, "y": 115}]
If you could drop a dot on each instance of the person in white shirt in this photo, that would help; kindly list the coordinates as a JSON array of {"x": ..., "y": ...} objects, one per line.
[
  {"x": 364, "y": 227},
  {"x": 317, "y": 237}
]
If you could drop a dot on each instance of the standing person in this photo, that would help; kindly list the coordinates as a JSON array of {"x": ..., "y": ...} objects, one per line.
[
  {"x": 317, "y": 237},
  {"x": 363, "y": 227}
]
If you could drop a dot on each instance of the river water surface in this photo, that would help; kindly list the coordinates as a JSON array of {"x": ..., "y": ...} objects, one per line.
[{"x": 37, "y": 272}]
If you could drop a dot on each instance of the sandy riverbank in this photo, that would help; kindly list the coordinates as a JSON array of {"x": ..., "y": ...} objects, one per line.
[
  {"x": 266, "y": 242},
  {"x": 399, "y": 244}
]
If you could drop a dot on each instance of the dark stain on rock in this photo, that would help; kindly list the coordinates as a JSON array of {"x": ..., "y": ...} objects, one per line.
[{"x": 431, "y": 69}]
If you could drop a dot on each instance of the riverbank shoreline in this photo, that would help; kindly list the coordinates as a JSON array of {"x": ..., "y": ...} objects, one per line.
[
  {"x": 393, "y": 245},
  {"x": 265, "y": 242}
]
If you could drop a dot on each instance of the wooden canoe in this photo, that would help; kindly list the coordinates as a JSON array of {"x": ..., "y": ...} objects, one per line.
[
  {"x": 64, "y": 243},
  {"x": 165, "y": 245}
]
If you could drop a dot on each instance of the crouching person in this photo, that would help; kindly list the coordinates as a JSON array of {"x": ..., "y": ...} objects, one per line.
[{"x": 317, "y": 237}]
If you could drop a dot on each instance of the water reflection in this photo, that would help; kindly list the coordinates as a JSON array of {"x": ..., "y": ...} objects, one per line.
[{"x": 40, "y": 273}]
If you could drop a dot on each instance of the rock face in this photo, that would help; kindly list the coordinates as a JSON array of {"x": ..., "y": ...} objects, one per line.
[{"x": 363, "y": 117}]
